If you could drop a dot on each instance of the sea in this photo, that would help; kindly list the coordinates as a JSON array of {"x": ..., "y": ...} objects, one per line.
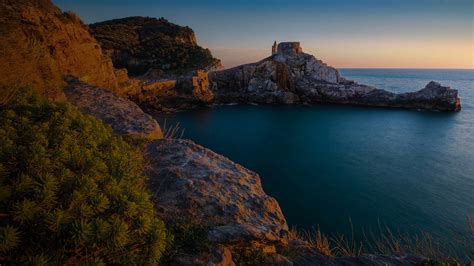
[{"x": 357, "y": 170}]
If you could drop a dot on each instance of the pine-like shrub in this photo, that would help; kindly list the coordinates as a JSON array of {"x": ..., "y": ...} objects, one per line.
[{"x": 70, "y": 191}]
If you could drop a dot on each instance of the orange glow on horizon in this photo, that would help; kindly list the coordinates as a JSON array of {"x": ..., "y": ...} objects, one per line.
[{"x": 370, "y": 54}]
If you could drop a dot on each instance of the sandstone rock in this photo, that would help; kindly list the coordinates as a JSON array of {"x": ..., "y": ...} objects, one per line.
[
  {"x": 39, "y": 45},
  {"x": 142, "y": 43},
  {"x": 167, "y": 92},
  {"x": 191, "y": 181},
  {"x": 290, "y": 76},
  {"x": 125, "y": 117}
]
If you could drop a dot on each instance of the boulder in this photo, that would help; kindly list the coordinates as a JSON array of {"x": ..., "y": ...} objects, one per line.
[
  {"x": 191, "y": 181},
  {"x": 125, "y": 117}
]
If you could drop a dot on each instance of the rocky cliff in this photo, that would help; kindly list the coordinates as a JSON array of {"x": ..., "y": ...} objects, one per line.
[
  {"x": 192, "y": 181},
  {"x": 141, "y": 43},
  {"x": 290, "y": 76},
  {"x": 39, "y": 45}
]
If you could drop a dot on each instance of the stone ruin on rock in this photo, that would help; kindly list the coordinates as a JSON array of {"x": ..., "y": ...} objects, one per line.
[{"x": 286, "y": 48}]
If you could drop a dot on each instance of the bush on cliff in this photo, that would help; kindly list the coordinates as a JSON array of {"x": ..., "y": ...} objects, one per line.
[{"x": 70, "y": 191}]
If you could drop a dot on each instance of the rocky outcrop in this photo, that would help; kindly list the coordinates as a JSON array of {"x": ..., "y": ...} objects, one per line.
[
  {"x": 142, "y": 43},
  {"x": 39, "y": 45},
  {"x": 171, "y": 93},
  {"x": 125, "y": 117},
  {"x": 191, "y": 181},
  {"x": 290, "y": 76}
]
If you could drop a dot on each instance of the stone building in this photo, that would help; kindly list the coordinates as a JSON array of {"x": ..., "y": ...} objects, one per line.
[{"x": 286, "y": 48}]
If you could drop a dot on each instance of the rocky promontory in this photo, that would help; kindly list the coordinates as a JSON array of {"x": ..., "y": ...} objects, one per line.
[
  {"x": 291, "y": 76},
  {"x": 143, "y": 43}
]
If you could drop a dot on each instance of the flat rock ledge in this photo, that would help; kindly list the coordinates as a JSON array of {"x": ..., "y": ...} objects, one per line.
[
  {"x": 125, "y": 117},
  {"x": 189, "y": 180}
]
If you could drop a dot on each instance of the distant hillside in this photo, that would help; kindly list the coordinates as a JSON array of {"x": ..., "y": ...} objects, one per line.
[
  {"x": 40, "y": 45},
  {"x": 142, "y": 43}
]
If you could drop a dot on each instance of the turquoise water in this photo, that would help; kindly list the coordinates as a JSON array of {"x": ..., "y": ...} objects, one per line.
[{"x": 408, "y": 169}]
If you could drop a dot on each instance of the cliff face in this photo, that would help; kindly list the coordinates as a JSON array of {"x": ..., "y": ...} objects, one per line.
[
  {"x": 39, "y": 45},
  {"x": 141, "y": 43},
  {"x": 291, "y": 76}
]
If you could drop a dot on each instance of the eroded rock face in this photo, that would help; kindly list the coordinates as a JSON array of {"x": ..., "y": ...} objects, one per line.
[
  {"x": 125, "y": 117},
  {"x": 39, "y": 45},
  {"x": 171, "y": 93},
  {"x": 290, "y": 76},
  {"x": 191, "y": 181},
  {"x": 268, "y": 81},
  {"x": 142, "y": 43}
]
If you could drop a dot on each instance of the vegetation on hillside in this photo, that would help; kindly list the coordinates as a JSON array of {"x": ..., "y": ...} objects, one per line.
[
  {"x": 70, "y": 191},
  {"x": 140, "y": 43}
]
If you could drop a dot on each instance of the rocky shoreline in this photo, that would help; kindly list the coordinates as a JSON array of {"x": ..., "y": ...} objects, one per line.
[{"x": 293, "y": 77}]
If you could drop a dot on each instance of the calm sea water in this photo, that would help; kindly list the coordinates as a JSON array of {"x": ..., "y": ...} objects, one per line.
[{"x": 410, "y": 170}]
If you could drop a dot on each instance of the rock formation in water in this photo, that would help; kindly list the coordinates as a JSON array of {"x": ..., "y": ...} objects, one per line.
[
  {"x": 39, "y": 45},
  {"x": 290, "y": 76},
  {"x": 142, "y": 43},
  {"x": 125, "y": 117}
]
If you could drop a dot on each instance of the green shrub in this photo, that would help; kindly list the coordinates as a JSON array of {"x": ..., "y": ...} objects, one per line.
[{"x": 70, "y": 191}]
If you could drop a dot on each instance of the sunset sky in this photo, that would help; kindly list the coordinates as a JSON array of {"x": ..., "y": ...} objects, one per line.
[{"x": 343, "y": 33}]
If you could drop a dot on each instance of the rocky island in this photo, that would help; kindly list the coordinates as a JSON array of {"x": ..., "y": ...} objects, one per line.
[{"x": 290, "y": 76}]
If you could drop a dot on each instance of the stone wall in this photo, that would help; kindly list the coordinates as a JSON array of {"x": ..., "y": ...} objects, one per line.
[{"x": 289, "y": 48}]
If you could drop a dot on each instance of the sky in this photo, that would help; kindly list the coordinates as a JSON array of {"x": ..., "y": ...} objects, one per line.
[{"x": 342, "y": 33}]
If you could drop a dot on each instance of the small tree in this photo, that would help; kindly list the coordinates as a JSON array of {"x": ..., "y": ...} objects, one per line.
[{"x": 70, "y": 191}]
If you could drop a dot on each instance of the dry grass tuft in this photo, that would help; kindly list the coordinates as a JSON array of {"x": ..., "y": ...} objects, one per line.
[
  {"x": 387, "y": 242},
  {"x": 172, "y": 131},
  {"x": 347, "y": 247},
  {"x": 315, "y": 239},
  {"x": 321, "y": 243}
]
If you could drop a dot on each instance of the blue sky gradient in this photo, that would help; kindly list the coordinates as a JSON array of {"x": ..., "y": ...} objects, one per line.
[{"x": 364, "y": 33}]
